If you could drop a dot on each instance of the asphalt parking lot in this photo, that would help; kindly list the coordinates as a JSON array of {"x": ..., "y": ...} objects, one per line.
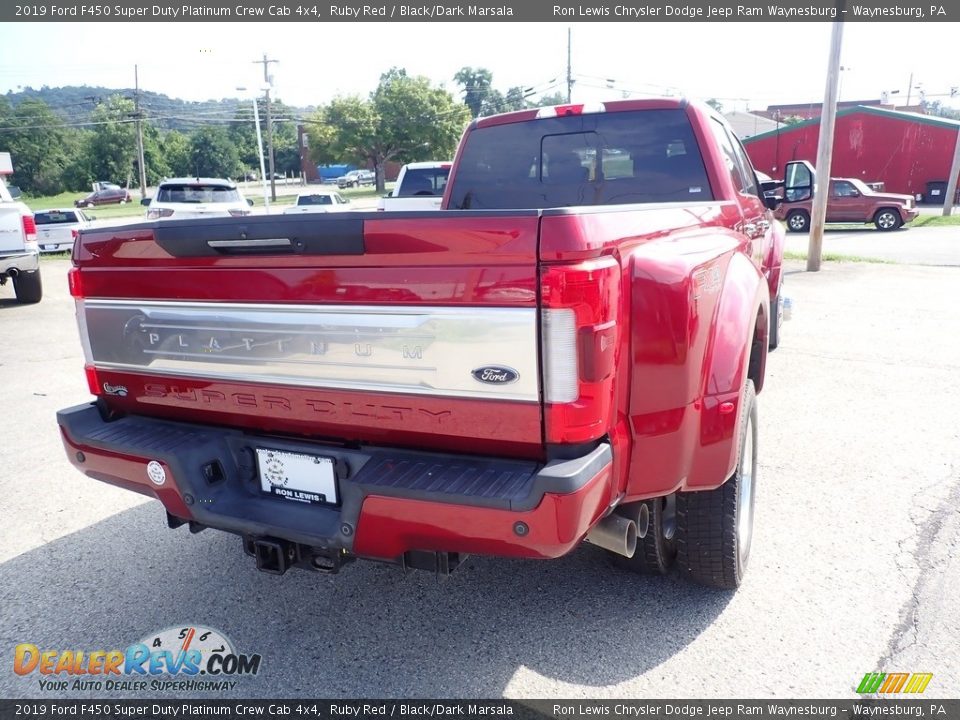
[{"x": 855, "y": 566}]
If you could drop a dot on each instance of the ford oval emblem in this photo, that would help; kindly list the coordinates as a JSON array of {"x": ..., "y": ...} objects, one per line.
[{"x": 496, "y": 375}]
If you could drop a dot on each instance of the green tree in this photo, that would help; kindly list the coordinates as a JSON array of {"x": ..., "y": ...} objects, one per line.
[
  {"x": 715, "y": 104},
  {"x": 77, "y": 171},
  {"x": 243, "y": 133},
  {"x": 554, "y": 98},
  {"x": 476, "y": 85},
  {"x": 404, "y": 119},
  {"x": 286, "y": 153},
  {"x": 936, "y": 107},
  {"x": 514, "y": 99},
  {"x": 114, "y": 144},
  {"x": 37, "y": 142},
  {"x": 154, "y": 157},
  {"x": 175, "y": 147},
  {"x": 212, "y": 154}
]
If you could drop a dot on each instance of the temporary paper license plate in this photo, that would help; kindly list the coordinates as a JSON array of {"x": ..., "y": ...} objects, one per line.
[{"x": 298, "y": 477}]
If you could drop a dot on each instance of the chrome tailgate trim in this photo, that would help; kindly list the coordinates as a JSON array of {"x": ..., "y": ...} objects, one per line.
[{"x": 410, "y": 349}]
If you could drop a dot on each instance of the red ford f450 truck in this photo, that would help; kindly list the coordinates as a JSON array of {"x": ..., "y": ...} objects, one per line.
[{"x": 569, "y": 349}]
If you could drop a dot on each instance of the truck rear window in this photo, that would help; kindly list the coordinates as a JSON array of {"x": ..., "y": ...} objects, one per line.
[
  {"x": 197, "y": 194},
  {"x": 646, "y": 156},
  {"x": 315, "y": 200},
  {"x": 423, "y": 181},
  {"x": 54, "y": 217}
]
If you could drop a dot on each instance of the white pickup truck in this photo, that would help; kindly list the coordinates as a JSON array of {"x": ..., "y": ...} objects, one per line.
[
  {"x": 419, "y": 186},
  {"x": 318, "y": 200},
  {"x": 19, "y": 254},
  {"x": 57, "y": 230}
]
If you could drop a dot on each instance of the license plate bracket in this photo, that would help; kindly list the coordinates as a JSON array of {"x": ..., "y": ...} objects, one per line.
[{"x": 299, "y": 477}]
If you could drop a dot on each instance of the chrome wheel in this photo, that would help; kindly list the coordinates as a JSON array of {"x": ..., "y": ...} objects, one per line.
[
  {"x": 797, "y": 222},
  {"x": 886, "y": 220}
]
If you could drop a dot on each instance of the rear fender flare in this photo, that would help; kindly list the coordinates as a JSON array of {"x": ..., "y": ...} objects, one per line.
[
  {"x": 736, "y": 328},
  {"x": 737, "y": 350}
]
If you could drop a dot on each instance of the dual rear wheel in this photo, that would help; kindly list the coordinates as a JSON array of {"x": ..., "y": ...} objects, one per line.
[{"x": 708, "y": 534}]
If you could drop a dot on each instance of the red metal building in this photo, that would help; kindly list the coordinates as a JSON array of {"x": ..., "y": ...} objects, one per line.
[{"x": 903, "y": 150}]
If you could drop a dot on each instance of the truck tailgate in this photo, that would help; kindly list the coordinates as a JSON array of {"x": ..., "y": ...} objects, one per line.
[
  {"x": 353, "y": 328},
  {"x": 11, "y": 228}
]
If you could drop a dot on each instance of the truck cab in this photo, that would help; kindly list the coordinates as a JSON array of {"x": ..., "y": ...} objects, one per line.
[{"x": 420, "y": 186}]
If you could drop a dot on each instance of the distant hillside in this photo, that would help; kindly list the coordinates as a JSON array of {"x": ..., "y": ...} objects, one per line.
[{"x": 75, "y": 103}]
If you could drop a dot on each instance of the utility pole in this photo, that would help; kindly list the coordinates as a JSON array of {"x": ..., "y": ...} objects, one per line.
[
  {"x": 909, "y": 90},
  {"x": 952, "y": 182},
  {"x": 828, "y": 117},
  {"x": 569, "y": 67},
  {"x": 139, "y": 116},
  {"x": 266, "y": 80}
]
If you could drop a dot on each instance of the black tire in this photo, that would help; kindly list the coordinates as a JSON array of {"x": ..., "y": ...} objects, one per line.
[
  {"x": 887, "y": 219},
  {"x": 776, "y": 316},
  {"x": 798, "y": 221},
  {"x": 657, "y": 550},
  {"x": 28, "y": 287},
  {"x": 715, "y": 527}
]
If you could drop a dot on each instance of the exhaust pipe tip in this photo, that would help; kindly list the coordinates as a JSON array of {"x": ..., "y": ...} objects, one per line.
[
  {"x": 615, "y": 533},
  {"x": 643, "y": 521}
]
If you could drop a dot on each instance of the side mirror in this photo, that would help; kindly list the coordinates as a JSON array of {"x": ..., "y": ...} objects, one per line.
[
  {"x": 145, "y": 201},
  {"x": 771, "y": 201},
  {"x": 799, "y": 180},
  {"x": 249, "y": 202}
]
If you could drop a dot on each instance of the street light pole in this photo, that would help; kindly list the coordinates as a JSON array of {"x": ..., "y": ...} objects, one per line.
[
  {"x": 273, "y": 182},
  {"x": 263, "y": 173},
  {"x": 267, "y": 85}
]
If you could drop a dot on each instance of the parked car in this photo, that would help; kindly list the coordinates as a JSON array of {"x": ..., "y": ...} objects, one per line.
[
  {"x": 195, "y": 198},
  {"x": 57, "y": 230},
  {"x": 356, "y": 178},
  {"x": 850, "y": 201},
  {"x": 104, "y": 196},
  {"x": 419, "y": 186},
  {"x": 319, "y": 200}
]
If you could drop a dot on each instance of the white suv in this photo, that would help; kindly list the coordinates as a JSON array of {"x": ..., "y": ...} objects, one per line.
[{"x": 179, "y": 198}]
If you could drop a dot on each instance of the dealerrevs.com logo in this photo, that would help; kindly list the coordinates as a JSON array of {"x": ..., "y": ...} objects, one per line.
[{"x": 176, "y": 659}]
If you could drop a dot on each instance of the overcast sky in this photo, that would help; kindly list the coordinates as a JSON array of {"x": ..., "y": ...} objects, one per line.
[{"x": 743, "y": 64}]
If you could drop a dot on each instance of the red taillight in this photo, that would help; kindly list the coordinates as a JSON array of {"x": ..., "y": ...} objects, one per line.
[
  {"x": 74, "y": 234},
  {"x": 238, "y": 213},
  {"x": 93, "y": 382},
  {"x": 29, "y": 228},
  {"x": 75, "y": 283},
  {"x": 155, "y": 213},
  {"x": 580, "y": 347}
]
